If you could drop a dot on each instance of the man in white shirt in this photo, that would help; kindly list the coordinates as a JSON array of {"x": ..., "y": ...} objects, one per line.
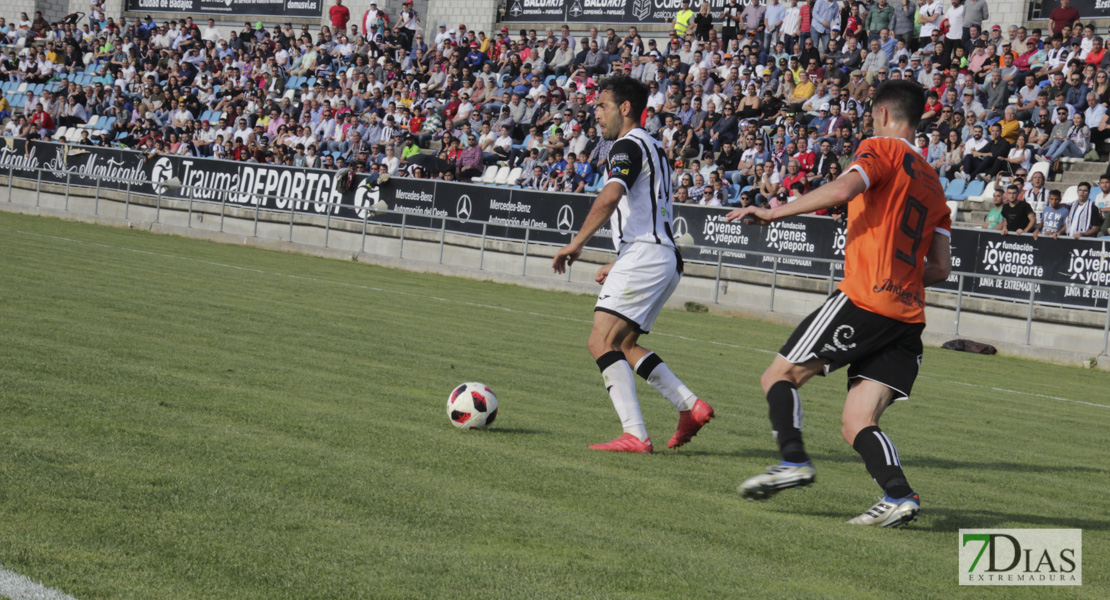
[
  {"x": 954, "y": 36},
  {"x": 212, "y": 33}
]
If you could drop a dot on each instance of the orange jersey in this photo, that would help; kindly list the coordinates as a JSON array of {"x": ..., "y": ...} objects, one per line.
[{"x": 890, "y": 227}]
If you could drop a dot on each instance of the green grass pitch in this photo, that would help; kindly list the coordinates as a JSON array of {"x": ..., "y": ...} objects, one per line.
[{"x": 182, "y": 419}]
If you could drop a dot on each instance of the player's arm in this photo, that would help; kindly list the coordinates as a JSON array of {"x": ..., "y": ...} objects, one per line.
[
  {"x": 599, "y": 214},
  {"x": 938, "y": 260},
  {"x": 836, "y": 192}
]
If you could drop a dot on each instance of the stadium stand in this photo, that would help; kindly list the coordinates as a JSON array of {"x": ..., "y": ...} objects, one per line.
[{"x": 732, "y": 101}]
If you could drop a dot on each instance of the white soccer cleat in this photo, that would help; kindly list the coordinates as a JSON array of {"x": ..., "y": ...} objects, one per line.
[
  {"x": 890, "y": 513},
  {"x": 777, "y": 478}
]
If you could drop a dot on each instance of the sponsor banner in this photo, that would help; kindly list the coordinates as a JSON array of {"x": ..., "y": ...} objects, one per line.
[
  {"x": 1021, "y": 557},
  {"x": 802, "y": 239},
  {"x": 603, "y": 12},
  {"x": 285, "y": 8},
  {"x": 804, "y": 242},
  {"x": 1088, "y": 9}
]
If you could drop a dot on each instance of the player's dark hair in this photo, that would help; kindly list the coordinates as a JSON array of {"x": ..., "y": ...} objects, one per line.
[
  {"x": 904, "y": 99},
  {"x": 626, "y": 89},
  {"x": 1052, "y": 193},
  {"x": 1083, "y": 184}
]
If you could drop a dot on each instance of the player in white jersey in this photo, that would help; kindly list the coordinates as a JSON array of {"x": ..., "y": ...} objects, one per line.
[{"x": 637, "y": 201}]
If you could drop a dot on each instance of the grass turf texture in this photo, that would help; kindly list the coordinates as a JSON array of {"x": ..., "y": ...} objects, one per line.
[{"x": 181, "y": 419}]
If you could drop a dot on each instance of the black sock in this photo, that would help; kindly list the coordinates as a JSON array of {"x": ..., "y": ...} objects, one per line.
[
  {"x": 881, "y": 458},
  {"x": 785, "y": 409},
  {"x": 647, "y": 365}
]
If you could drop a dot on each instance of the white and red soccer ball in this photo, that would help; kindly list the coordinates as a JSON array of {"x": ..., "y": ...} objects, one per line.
[{"x": 472, "y": 405}]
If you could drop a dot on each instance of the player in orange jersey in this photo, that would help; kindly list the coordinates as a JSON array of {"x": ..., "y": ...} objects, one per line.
[{"x": 897, "y": 245}]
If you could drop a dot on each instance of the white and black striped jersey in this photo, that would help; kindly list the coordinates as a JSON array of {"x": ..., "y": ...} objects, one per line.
[{"x": 638, "y": 163}]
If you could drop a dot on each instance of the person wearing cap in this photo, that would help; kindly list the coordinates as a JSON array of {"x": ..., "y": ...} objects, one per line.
[
  {"x": 374, "y": 21},
  {"x": 1055, "y": 58},
  {"x": 475, "y": 57},
  {"x": 442, "y": 35}
]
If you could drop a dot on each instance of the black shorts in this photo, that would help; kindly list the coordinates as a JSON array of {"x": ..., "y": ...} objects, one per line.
[{"x": 876, "y": 347}]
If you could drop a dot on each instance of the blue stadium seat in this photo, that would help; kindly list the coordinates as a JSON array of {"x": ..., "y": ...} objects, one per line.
[
  {"x": 944, "y": 183},
  {"x": 955, "y": 189},
  {"x": 973, "y": 188},
  {"x": 548, "y": 81}
]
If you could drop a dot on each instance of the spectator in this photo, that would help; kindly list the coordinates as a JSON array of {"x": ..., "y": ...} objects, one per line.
[
  {"x": 1054, "y": 219},
  {"x": 339, "y": 16},
  {"x": 1070, "y": 142},
  {"x": 1084, "y": 220},
  {"x": 994, "y": 218},
  {"x": 1017, "y": 216}
]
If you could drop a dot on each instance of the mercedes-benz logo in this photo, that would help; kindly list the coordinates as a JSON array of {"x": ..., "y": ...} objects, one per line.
[
  {"x": 462, "y": 208},
  {"x": 680, "y": 227},
  {"x": 565, "y": 220},
  {"x": 162, "y": 171}
]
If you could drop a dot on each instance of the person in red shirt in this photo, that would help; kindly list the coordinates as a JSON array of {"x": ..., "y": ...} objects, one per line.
[
  {"x": 794, "y": 174},
  {"x": 1097, "y": 53},
  {"x": 897, "y": 244},
  {"x": 804, "y": 14},
  {"x": 452, "y": 107},
  {"x": 805, "y": 157},
  {"x": 41, "y": 121},
  {"x": 416, "y": 123},
  {"x": 339, "y": 16},
  {"x": 1062, "y": 15}
]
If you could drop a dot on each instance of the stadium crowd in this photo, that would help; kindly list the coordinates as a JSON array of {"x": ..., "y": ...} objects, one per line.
[{"x": 754, "y": 104}]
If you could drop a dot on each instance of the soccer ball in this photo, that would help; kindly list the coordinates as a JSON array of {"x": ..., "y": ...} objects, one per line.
[{"x": 472, "y": 405}]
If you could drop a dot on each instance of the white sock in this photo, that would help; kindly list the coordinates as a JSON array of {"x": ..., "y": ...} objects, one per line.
[
  {"x": 655, "y": 371},
  {"x": 621, "y": 384}
]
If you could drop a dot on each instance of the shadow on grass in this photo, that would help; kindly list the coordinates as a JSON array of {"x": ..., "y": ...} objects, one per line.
[
  {"x": 514, "y": 430},
  {"x": 910, "y": 462},
  {"x": 954, "y": 519}
]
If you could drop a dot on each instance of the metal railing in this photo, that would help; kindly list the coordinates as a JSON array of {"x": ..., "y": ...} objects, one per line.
[{"x": 484, "y": 237}]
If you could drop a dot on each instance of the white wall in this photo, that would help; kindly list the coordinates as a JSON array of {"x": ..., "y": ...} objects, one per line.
[{"x": 478, "y": 15}]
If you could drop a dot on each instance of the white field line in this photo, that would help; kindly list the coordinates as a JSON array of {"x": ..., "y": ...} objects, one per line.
[
  {"x": 17, "y": 587},
  {"x": 506, "y": 309}
]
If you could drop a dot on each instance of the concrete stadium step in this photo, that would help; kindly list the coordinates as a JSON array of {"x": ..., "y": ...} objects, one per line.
[{"x": 1085, "y": 167}]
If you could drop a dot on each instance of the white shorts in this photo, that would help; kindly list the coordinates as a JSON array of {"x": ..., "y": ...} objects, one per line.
[{"x": 643, "y": 278}]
